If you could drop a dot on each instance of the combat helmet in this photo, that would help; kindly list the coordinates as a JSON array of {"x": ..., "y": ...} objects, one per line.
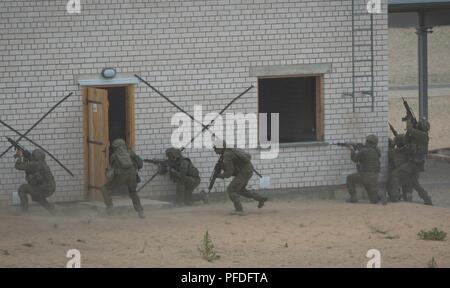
[
  {"x": 372, "y": 139},
  {"x": 118, "y": 143},
  {"x": 423, "y": 125},
  {"x": 38, "y": 155},
  {"x": 173, "y": 153}
]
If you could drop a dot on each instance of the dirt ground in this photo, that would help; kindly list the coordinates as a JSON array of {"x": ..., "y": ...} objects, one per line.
[{"x": 287, "y": 232}]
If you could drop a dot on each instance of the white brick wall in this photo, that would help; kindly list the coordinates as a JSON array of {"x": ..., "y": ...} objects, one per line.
[{"x": 195, "y": 52}]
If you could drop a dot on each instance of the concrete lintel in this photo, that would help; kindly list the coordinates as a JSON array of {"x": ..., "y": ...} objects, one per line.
[
  {"x": 97, "y": 80},
  {"x": 290, "y": 70}
]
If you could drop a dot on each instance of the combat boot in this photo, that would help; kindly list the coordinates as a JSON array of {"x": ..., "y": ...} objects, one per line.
[
  {"x": 352, "y": 199},
  {"x": 240, "y": 213},
  {"x": 204, "y": 197},
  {"x": 23, "y": 201},
  {"x": 262, "y": 201},
  {"x": 407, "y": 197},
  {"x": 427, "y": 201}
]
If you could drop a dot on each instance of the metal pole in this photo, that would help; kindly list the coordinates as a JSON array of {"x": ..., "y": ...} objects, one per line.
[
  {"x": 353, "y": 54},
  {"x": 372, "y": 88},
  {"x": 422, "y": 32}
]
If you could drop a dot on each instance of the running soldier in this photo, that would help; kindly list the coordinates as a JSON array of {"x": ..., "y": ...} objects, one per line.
[{"x": 123, "y": 166}]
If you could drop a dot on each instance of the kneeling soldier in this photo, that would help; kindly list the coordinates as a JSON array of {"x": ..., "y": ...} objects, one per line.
[
  {"x": 186, "y": 176},
  {"x": 368, "y": 167},
  {"x": 41, "y": 183}
]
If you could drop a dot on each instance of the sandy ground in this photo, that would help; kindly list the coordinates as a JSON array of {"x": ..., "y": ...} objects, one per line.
[{"x": 287, "y": 232}]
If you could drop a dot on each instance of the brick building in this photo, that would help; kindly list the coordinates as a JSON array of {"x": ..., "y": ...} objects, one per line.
[{"x": 300, "y": 55}]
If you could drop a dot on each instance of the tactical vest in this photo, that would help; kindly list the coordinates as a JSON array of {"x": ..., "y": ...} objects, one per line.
[{"x": 369, "y": 160}]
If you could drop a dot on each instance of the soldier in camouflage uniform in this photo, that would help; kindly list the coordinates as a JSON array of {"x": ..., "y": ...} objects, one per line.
[
  {"x": 123, "y": 166},
  {"x": 398, "y": 156},
  {"x": 236, "y": 162},
  {"x": 40, "y": 181},
  {"x": 186, "y": 176},
  {"x": 416, "y": 149},
  {"x": 368, "y": 167}
]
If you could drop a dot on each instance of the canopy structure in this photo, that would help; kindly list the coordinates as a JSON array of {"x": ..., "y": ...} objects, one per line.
[{"x": 422, "y": 14}]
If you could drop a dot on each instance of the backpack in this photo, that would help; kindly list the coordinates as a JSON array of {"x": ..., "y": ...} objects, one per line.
[
  {"x": 242, "y": 154},
  {"x": 122, "y": 158}
]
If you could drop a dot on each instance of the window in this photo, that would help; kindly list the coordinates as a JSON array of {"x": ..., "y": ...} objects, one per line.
[{"x": 298, "y": 100}]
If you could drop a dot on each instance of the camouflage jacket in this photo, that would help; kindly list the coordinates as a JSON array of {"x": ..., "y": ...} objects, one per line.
[
  {"x": 37, "y": 172},
  {"x": 236, "y": 161},
  {"x": 368, "y": 159},
  {"x": 417, "y": 144},
  {"x": 184, "y": 168}
]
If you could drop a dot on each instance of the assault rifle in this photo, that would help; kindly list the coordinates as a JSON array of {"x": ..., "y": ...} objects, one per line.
[
  {"x": 355, "y": 146},
  {"x": 163, "y": 165},
  {"x": 394, "y": 132},
  {"x": 409, "y": 114},
  {"x": 26, "y": 154},
  {"x": 217, "y": 170}
]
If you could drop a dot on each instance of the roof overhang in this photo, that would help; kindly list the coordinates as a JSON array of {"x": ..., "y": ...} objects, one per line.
[
  {"x": 404, "y": 13},
  {"x": 416, "y": 5}
]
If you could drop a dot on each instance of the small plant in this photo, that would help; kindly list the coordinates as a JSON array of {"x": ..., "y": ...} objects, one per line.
[
  {"x": 207, "y": 248},
  {"x": 434, "y": 234},
  {"x": 432, "y": 263}
]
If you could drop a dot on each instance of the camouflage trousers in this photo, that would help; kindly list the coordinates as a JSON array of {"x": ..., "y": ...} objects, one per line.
[
  {"x": 402, "y": 191},
  {"x": 237, "y": 188},
  {"x": 370, "y": 183},
  {"x": 185, "y": 189},
  {"x": 407, "y": 175},
  {"x": 128, "y": 179},
  {"x": 38, "y": 194}
]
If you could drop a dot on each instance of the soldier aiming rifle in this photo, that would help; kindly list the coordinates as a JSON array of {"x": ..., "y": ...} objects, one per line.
[
  {"x": 40, "y": 181},
  {"x": 183, "y": 172},
  {"x": 367, "y": 159}
]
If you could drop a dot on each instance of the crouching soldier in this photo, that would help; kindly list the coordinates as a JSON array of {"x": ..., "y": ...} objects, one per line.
[
  {"x": 123, "y": 166},
  {"x": 236, "y": 162},
  {"x": 186, "y": 176},
  {"x": 368, "y": 167},
  {"x": 40, "y": 181}
]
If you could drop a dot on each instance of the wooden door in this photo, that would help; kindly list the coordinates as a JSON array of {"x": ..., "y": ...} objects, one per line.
[{"x": 98, "y": 140}]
